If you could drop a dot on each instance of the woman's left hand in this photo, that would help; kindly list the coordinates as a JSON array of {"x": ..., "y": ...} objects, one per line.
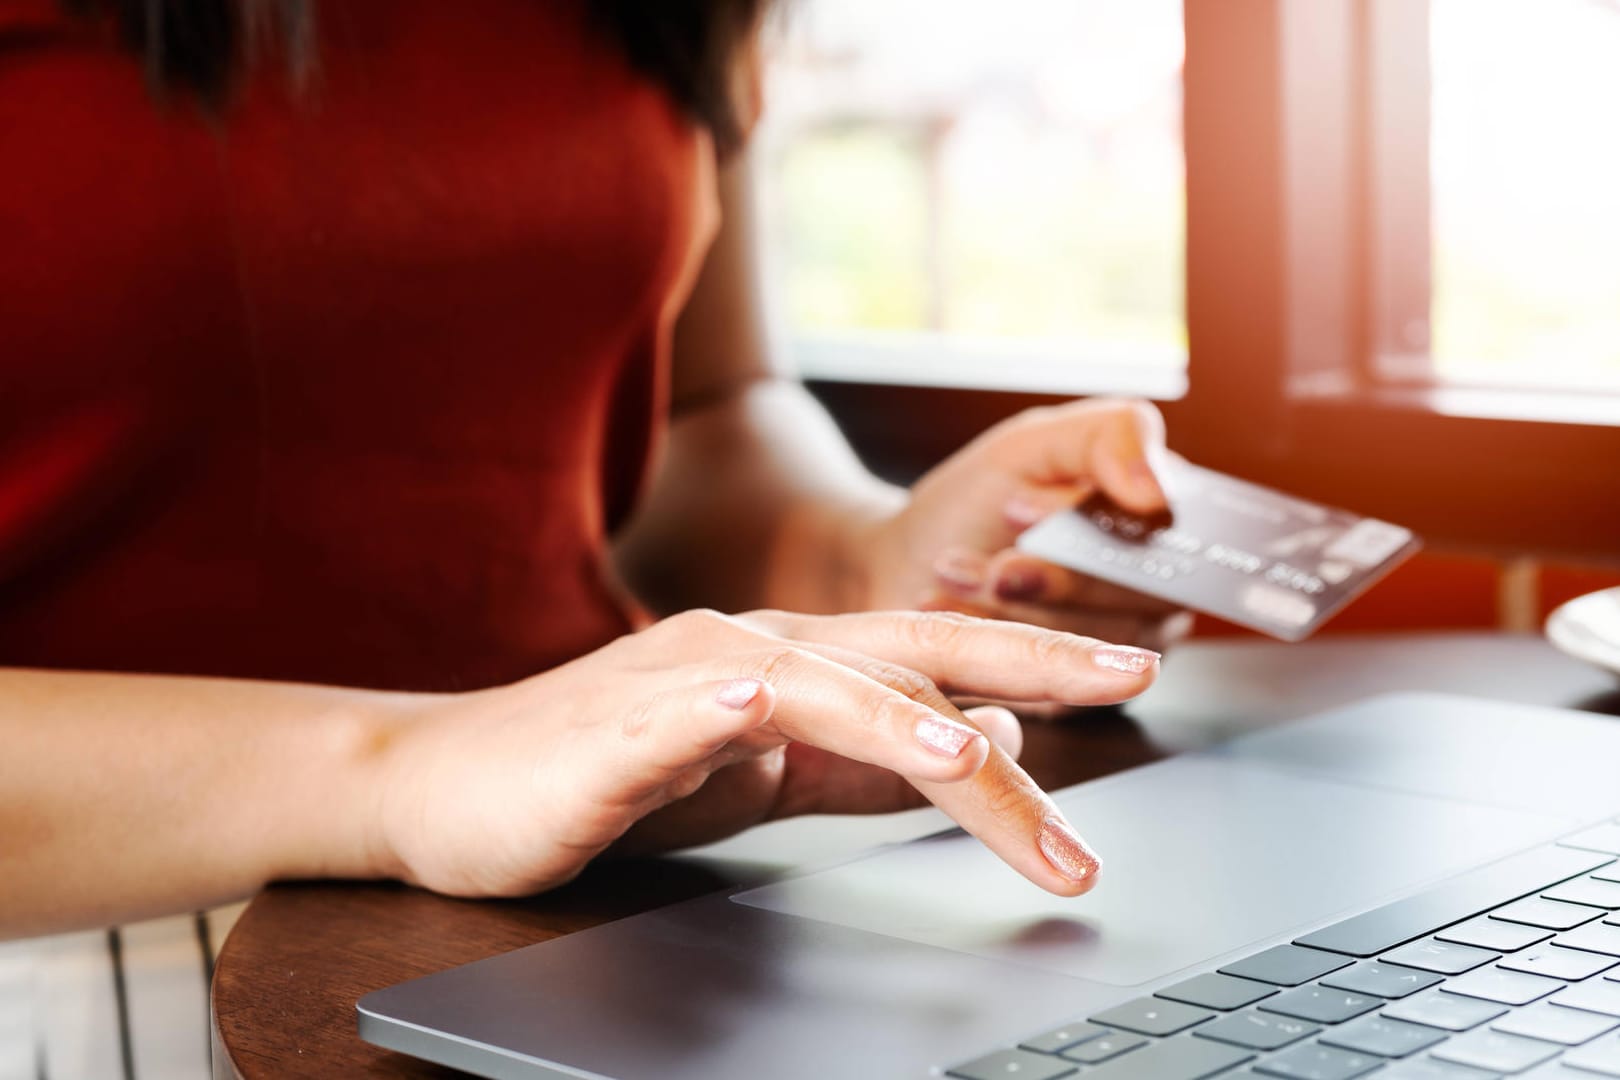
[{"x": 951, "y": 545}]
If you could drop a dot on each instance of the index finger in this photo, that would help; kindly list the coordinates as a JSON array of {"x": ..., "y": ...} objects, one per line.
[
  {"x": 855, "y": 712},
  {"x": 983, "y": 657},
  {"x": 1010, "y": 814}
]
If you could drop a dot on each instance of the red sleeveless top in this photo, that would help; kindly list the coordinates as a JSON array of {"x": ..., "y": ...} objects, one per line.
[{"x": 346, "y": 385}]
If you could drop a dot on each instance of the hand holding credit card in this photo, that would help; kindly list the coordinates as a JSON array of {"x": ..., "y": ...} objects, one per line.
[{"x": 1226, "y": 547}]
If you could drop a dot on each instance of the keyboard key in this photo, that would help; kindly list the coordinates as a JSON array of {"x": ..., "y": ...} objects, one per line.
[
  {"x": 1428, "y": 1068},
  {"x": 1173, "y": 1059},
  {"x": 1557, "y": 1070},
  {"x": 1384, "y": 1037},
  {"x": 1547, "y": 914},
  {"x": 1508, "y": 987},
  {"x": 1217, "y": 992},
  {"x": 1596, "y": 937},
  {"x": 1381, "y": 929},
  {"x": 1558, "y": 962},
  {"x": 1257, "y": 1030},
  {"x": 1587, "y": 890},
  {"x": 1496, "y": 1052},
  {"x": 1384, "y": 980},
  {"x": 1610, "y": 872},
  {"x": 1321, "y": 1004},
  {"x": 1605, "y": 838},
  {"x": 1314, "y": 1061},
  {"x": 1012, "y": 1065},
  {"x": 1104, "y": 1048},
  {"x": 1062, "y": 1038},
  {"x": 1443, "y": 1010},
  {"x": 1286, "y": 965},
  {"x": 1555, "y": 1023},
  {"x": 1597, "y": 996},
  {"x": 1601, "y": 1057},
  {"x": 1152, "y": 1016},
  {"x": 1440, "y": 956},
  {"x": 1494, "y": 934}
]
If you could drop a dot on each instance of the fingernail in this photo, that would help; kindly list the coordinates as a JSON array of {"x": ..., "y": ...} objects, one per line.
[
  {"x": 1142, "y": 475},
  {"x": 945, "y": 737},
  {"x": 959, "y": 570},
  {"x": 1020, "y": 583},
  {"x": 1125, "y": 659},
  {"x": 1022, "y": 512},
  {"x": 1064, "y": 849},
  {"x": 737, "y": 693}
]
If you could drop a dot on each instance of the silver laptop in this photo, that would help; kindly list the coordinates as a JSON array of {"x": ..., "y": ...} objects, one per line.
[{"x": 1416, "y": 886}]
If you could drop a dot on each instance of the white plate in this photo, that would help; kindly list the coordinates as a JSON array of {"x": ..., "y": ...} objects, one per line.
[{"x": 1588, "y": 628}]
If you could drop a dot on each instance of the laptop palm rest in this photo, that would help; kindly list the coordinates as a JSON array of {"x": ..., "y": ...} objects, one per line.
[{"x": 1179, "y": 842}]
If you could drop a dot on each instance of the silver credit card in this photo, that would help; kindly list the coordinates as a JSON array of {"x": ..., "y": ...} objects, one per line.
[{"x": 1246, "y": 553}]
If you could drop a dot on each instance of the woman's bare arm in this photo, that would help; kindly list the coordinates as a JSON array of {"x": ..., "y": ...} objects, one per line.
[
  {"x": 760, "y": 499},
  {"x": 123, "y": 796}
]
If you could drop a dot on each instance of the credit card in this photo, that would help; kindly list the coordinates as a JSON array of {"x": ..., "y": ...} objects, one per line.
[{"x": 1254, "y": 556}]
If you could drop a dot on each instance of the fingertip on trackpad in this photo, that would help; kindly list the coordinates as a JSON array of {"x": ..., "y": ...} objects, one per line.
[{"x": 1205, "y": 857}]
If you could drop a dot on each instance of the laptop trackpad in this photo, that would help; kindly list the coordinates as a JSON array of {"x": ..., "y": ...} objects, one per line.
[{"x": 1201, "y": 858}]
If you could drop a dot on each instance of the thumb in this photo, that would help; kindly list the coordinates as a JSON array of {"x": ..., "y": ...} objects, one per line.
[{"x": 1107, "y": 443}]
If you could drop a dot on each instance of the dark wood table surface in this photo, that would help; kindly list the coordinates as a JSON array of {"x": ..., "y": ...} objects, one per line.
[{"x": 288, "y": 976}]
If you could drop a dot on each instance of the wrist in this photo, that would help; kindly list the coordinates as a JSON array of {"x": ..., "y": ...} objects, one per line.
[{"x": 351, "y": 753}]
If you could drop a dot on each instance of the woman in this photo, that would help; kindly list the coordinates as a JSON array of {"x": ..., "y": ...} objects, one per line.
[{"x": 327, "y": 383}]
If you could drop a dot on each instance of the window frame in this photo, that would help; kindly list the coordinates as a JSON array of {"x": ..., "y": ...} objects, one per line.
[{"x": 1306, "y": 167}]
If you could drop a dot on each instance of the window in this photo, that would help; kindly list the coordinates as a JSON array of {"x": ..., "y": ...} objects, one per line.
[
  {"x": 1525, "y": 182},
  {"x": 970, "y": 195},
  {"x": 1384, "y": 306},
  {"x": 1499, "y": 257},
  {"x": 1309, "y": 140}
]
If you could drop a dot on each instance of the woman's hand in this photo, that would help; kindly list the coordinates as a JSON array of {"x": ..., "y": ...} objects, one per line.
[
  {"x": 950, "y": 546},
  {"x": 704, "y": 724}
]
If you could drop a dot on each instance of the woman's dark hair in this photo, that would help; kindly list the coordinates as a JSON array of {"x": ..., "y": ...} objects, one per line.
[{"x": 199, "y": 46}]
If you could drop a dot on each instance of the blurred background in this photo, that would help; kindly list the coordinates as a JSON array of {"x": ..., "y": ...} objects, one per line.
[{"x": 1365, "y": 250}]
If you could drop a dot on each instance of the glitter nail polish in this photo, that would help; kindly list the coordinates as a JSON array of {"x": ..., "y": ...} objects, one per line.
[
  {"x": 944, "y": 737},
  {"x": 1125, "y": 659},
  {"x": 1067, "y": 853}
]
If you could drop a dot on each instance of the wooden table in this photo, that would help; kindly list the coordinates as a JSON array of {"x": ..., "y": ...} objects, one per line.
[{"x": 288, "y": 976}]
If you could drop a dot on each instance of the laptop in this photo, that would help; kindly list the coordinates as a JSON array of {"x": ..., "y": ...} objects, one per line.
[{"x": 1413, "y": 886}]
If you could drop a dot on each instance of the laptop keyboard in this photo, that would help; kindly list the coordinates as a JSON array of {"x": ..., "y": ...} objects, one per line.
[{"x": 1512, "y": 969}]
